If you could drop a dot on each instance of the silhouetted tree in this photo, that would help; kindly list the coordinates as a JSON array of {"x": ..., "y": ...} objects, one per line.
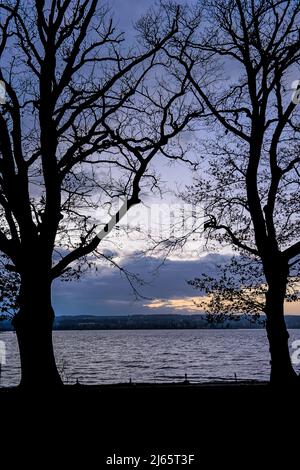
[
  {"x": 238, "y": 287},
  {"x": 243, "y": 65},
  {"x": 83, "y": 119},
  {"x": 250, "y": 191}
]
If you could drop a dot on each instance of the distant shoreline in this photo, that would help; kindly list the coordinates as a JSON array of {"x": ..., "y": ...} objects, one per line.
[{"x": 156, "y": 322}]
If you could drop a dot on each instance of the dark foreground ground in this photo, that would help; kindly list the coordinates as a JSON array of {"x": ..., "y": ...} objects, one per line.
[{"x": 233, "y": 425}]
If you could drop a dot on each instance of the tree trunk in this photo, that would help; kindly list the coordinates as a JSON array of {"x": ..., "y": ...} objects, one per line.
[
  {"x": 282, "y": 371},
  {"x": 33, "y": 324}
]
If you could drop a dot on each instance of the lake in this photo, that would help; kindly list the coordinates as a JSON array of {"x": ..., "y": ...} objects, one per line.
[{"x": 114, "y": 356}]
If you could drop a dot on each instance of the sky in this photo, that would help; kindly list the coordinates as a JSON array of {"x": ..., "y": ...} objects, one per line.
[
  {"x": 108, "y": 291},
  {"x": 165, "y": 288}
]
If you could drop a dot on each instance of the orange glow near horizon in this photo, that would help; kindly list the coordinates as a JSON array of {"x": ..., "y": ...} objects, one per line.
[{"x": 189, "y": 305}]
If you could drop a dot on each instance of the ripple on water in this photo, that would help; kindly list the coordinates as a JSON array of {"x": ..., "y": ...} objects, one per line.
[{"x": 149, "y": 356}]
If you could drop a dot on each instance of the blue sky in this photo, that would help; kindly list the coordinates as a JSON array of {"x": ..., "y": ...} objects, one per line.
[
  {"x": 166, "y": 290},
  {"x": 108, "y": 292}
]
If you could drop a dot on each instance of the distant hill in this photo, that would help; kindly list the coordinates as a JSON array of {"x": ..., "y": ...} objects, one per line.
[
  {"x": 136, "y": 322},
  {"x": 152, "y": 322}
]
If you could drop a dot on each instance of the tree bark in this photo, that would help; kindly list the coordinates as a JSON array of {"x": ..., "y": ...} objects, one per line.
[
  {"x": 282, "y": 371},
  {"x": 33, "y": 324}
]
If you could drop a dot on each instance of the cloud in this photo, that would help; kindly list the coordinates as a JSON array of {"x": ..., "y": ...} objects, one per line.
[
  {"x": 185, "y": 304},
  {"x": 110, "y": 294},
  {"x": 165, "y": 289}
]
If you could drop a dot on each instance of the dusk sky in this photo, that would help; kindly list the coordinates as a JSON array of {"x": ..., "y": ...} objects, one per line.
[
  {"x": 107, "y": 292},
  {"x": 149, "y": 189}
]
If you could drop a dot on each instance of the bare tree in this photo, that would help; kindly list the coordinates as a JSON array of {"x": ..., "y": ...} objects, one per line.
[
  {"x": 84, "y": 118},
  {"x": 251, "y": 193},
  {"x": 249, "y": 183},
  {"x": 238, "y": 287}
]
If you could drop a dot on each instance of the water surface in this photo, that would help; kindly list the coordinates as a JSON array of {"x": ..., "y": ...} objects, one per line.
[{"x": 113, "y": 356}]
